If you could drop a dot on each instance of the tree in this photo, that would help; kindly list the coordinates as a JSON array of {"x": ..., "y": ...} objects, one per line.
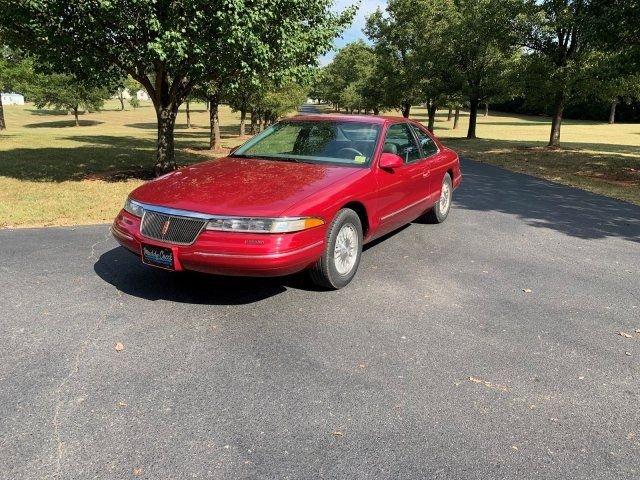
[
  {"x": 614, "y": 27},
  {"x": 212, "y": 92},
  {"x": 169, "y": 47},
  {"x": 66, "y": 93},
  {"x": 133, "y": 87},
  {"x": 483, "y": 41},
  {"x": 608, "y": 80},
  {"x": 557, "y": 32},
  {"x": 129, "y": 87},
  {"x": 242, "y": 96},
  {"x": 396, "y": 65},
  {"x": 624, "y": 89},
  {"x": 120, "y": 96},
  {"x": 270, "y": 101},
  {"x": 349, "y": 80},
  {"x": 15, "y": 71},
  {"x": 421, "y": 54}
]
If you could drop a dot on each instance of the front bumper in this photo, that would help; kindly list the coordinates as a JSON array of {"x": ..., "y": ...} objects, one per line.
[{"x": 232, "y": 253}]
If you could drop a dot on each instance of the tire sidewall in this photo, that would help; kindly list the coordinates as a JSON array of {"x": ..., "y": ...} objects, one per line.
[
  {"x": 439, "y": 213},
  {"x": 345, "y": 216}
]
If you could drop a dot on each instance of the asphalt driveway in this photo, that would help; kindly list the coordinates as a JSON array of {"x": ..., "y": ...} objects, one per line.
[{"x": 434, "y": 363}]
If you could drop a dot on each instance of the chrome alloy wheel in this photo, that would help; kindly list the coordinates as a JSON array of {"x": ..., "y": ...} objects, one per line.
[
  {"x": 445, "y": 198},
  {"x": 345, "y": 253}
]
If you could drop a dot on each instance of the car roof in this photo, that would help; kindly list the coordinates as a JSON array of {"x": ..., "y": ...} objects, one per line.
[{"x": 375, "y": 119}]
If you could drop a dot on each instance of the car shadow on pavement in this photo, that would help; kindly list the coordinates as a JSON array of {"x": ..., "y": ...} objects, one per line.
[
  {"x": 126, "y": 272},
  {"x": 544, "y": 204}
]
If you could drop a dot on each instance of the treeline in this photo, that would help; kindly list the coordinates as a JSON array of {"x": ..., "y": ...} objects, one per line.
[
  {"x": 260, "y": 103},
  {"x": 590, "y": 107},
  {"x": 251, "y": 54},
  {"x": 538, "y": 56}
]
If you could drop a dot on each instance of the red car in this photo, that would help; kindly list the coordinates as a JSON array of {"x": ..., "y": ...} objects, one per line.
[{"x": 306, "y": 193}]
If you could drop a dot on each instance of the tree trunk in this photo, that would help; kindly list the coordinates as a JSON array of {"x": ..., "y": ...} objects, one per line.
[
  {"x": 456, "y": 118},
  {"x": 3, "y": 125},
  {"x": 261, "y": 121},
  {"x": 486, "y": 109},
  {"x": 556, "y": 122},
  {"x": 473, "y": 117},
  {"x": 449, "y": 115},
  {"x": 243, "y": 121},
  {"x": 188, "y": 112},
  {"x": 406, "y": 108},
  {"x": 376, "y": 111},
  {"x": 431, "y": 109},
  {"x": 75, "y": 115},
  {"x": 254, "y": 123},
  {"x": 214, "y": 123},
  {"x": 165, "y": 154},
  {"x": 121, "y": 98},
  {"x": 612, "y": 112}
]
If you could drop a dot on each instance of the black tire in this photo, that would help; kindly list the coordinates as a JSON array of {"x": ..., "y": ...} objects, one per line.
[
  {"x": 437, "y": 214},
  {"x": 325, "y": 273}
]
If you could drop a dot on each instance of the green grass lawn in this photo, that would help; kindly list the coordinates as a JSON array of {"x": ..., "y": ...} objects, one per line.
[
  {"x": 53, "y": 173},
  {"x": 595, "y": 156}
]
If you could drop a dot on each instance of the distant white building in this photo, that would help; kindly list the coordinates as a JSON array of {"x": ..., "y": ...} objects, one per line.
[
  {"x": 141, "y": 95},
  {"x": 12, "y": 99}
]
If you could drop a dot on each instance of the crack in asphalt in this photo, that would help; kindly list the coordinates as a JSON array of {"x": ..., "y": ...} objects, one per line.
[
  {"x": 60, "y": 402},
  {"x": 75, "y": 369},
  {"x": 92, "y": 255}
]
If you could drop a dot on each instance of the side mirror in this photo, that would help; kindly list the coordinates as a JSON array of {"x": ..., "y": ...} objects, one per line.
[{"x": 390, "y": 161}]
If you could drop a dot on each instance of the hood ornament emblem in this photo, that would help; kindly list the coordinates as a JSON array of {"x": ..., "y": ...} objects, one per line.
[{"x": 165, "y": 227}]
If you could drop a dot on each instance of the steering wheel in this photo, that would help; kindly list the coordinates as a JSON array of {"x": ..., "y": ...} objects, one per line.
[{"x": 349, "y": 150}]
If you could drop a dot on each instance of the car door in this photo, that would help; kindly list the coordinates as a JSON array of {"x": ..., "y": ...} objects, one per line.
[
  {"x": 403, "y": 192},
  {"x": 432, "y": 164}
]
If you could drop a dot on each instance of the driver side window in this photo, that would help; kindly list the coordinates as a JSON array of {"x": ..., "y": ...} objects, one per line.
[{"x": 400, "y": 140}]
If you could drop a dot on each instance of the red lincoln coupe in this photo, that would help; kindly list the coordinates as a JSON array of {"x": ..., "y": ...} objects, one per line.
[{"x": 306, "y": 193}]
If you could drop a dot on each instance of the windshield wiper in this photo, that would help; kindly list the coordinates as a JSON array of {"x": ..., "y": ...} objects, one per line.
[{"x": 280, "y": 159}]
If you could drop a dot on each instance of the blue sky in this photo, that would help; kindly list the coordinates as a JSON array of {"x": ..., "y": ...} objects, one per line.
[{"x": 355, "y": 31}]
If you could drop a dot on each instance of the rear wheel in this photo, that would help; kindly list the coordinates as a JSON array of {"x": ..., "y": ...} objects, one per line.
[
  {"x": 341, "y": 257},
  {"x": 440, "y": 210}
]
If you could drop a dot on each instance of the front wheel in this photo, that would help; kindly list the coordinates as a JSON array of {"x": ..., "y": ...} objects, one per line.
[
  {"x": 341, "y": 257},
  {"x": 440, "y": 210}
]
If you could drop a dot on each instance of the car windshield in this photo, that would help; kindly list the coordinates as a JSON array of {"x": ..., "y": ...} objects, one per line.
[{"x": 324, "y": 141}]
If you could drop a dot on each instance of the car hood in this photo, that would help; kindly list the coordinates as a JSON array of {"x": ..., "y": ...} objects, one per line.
[{"x": 239, "y": 186}]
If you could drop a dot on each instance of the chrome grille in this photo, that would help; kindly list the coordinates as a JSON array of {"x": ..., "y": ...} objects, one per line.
[{"x": 170, "y": 228}]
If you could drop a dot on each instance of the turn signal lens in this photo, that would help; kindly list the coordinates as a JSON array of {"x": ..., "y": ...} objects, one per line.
[
  {"x": 312, "y": 222},
  {"x": 263, "y": 225}
]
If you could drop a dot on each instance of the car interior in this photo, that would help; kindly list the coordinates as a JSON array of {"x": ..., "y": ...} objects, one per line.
[{"x": 333, "y": 141}]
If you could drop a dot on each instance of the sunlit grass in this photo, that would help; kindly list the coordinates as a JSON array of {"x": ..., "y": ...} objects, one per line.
[
  {"x": 595, "y": 156},
  {"x": 53, "y": 173}
]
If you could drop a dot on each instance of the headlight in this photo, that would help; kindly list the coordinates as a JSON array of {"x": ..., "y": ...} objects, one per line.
[
  {"x": 133, "y": 207},
  {"x": 263, "y": 225}
]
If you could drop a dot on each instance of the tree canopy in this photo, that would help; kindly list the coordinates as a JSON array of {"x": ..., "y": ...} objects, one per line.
[
  {"x": 65, "y": 92},
  {"x": 170, "y": 47}
]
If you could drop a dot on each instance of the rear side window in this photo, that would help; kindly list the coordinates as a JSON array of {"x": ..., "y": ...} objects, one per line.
[
  {"x": 400, "y": 140},
  {"x": 427, "y": 144}
]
